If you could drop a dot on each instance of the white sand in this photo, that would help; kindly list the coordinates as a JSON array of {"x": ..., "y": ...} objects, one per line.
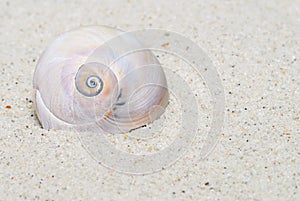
[{"x": 254, "y": 46}]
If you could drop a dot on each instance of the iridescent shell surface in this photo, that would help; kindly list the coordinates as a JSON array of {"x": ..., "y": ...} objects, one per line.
[{"x": 84, "y": 81}]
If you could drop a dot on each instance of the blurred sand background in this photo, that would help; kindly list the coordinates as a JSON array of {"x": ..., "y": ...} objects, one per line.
[{"x": 255, "y": 46}]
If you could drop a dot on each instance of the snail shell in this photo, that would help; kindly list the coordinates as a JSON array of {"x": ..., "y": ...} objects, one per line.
[{"x": 83, "y": 81}]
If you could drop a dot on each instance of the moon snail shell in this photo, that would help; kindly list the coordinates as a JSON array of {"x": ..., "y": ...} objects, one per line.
[{"x": 84, "y": 82}]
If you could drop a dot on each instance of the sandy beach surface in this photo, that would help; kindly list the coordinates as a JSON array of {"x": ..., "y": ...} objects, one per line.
[{"x": 254, "y": 46}]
